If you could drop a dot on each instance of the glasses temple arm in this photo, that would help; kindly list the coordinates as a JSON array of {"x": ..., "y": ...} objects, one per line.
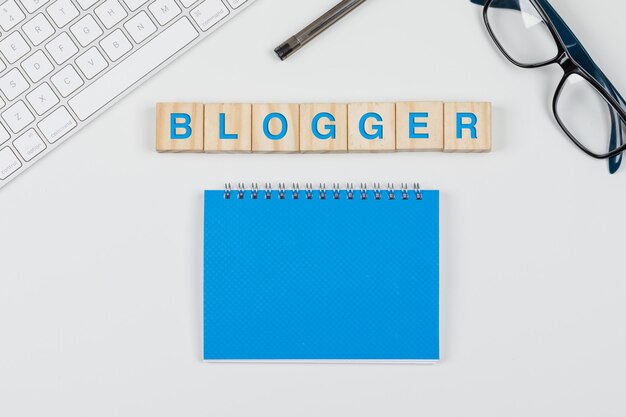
[{"x": 618, "y": 127}]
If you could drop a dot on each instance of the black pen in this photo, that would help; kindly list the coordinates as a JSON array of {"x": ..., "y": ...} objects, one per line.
[{"x": 309, "y": 33}]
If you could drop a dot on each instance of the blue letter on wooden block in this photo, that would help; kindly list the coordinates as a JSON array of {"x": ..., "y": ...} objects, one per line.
[
  {"x": 378, "y": 129},
  {"x": 266, "y": 126},
  {"x": 414, "y": 124},
  {"x": 176, "y": 124},
  {"x": 223, "y": 134},
  {"x": 471, "y": 126},
  {"x": 332, "y": 129}
]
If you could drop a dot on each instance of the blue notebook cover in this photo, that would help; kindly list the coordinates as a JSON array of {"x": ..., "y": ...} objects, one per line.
[{"x": 321, "y": 279}]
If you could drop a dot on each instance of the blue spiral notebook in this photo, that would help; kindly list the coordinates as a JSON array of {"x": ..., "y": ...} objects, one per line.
[{"x": 316, "y": 275}]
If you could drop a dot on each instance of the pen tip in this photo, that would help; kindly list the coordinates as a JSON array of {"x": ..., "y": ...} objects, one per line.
[
  {"x": 283, "y": 51},
  {"x": 286, "y": 49}
]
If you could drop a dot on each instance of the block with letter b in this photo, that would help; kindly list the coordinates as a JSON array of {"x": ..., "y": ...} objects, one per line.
[
  {"x": 323, "y": 128},
  {"x": 467, "y": 127},
  {"x": 276, "y": 128},
  {"x": 228, "y": 128},
  {"x": 372, "y": 127},
  {"x": 180, "y": 127}
]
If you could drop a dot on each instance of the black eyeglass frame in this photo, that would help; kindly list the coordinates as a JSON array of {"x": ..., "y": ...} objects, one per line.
[{"x": 570, "y": 67}]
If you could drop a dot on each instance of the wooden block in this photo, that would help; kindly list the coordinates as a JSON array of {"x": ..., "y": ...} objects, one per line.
[
  {"x": 180, "y": 127},
  {"x": 419, "y": 126},
  {"x": 323, "y": 128},
  {"x": 467, "y": 127},
  {"x": 275, "y": 128},
  {"x": 372, "y": 127},
  {"x": 227, "y": 128}
]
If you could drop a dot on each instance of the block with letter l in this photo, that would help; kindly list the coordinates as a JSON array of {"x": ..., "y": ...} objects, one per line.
[{"x": 228, "y": 128}]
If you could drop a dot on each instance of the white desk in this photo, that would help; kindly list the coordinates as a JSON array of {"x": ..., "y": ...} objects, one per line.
[{"x": 101, "y": 269}]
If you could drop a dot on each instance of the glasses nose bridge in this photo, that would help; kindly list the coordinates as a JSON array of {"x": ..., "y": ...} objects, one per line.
[{"x": 566, "y": 63}]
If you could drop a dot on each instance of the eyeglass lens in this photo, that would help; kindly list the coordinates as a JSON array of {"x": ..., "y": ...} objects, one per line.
[
  {"x": 522, "y": 33},
  {"x": 585, "y": 113}
]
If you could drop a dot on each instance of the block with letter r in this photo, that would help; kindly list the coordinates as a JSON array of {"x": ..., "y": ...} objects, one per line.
[
  {"x": 180, "y": 127},
  {"x": 467, "y": 127}
]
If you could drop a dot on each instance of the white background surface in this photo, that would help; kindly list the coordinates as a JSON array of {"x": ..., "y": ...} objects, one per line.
[{"x": 101, "y": 242}]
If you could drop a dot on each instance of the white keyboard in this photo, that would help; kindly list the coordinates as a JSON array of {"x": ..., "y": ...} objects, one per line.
[{"x": 63, "y": 62}]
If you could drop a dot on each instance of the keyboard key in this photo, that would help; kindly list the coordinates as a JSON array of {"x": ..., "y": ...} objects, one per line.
[
  {"x": 37, "y": 66},
  {"x": 18, "y": 116},
  {"x": 110, "y": 13},
  {"x": 13, "y": 47},
  {"x": 29, "y": 145},
  {"x": 236, "y": 3},
  {"x": 133, "y": 68},
  {"x": 13, "y": 84},
  {"x": 57, "y": 124},
  {"x": 134, "y": 4},
  {"x": 10, "y": 15},
  {"x": 4, "y": 135},
  {"x": 33, "y": 5},
  {"x": 140, "y": 27},
  {"x": 8, "y": 163},
  {"x": 62, "y": 12},
  {"x": 86, "y": 30},
  {"x": 164, "y": 10},
  {"x": 209, "y": 13},
  {"x": 62, "y": 48},
  {"x": 42, "y": 98},
  {"x": 91, "y": 63},
  {"x": 38, "y": 29},
  {"x": 67, "y": 80},
  {"x": 115, "y": 45},
  {"x": 86, "y": 4}
]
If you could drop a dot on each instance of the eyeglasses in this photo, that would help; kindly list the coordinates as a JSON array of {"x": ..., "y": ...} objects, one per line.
[{"x": 587, "y": 106}]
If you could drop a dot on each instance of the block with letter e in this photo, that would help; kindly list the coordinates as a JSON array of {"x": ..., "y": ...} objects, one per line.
[
  {"x": 467, "y": 127},
  {"x": 419, "y": 126},
  {"x": 180, "y": 127}
]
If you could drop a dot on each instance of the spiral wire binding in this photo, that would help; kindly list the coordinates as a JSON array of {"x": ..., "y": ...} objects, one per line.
[
  {"x": 336, "y": 191},
  {"x": 418, "y": 191},
  {"x": 363, "y": 192},
  {"x": 241, "y": 188},
  {"x": 377, "y": 191}
]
